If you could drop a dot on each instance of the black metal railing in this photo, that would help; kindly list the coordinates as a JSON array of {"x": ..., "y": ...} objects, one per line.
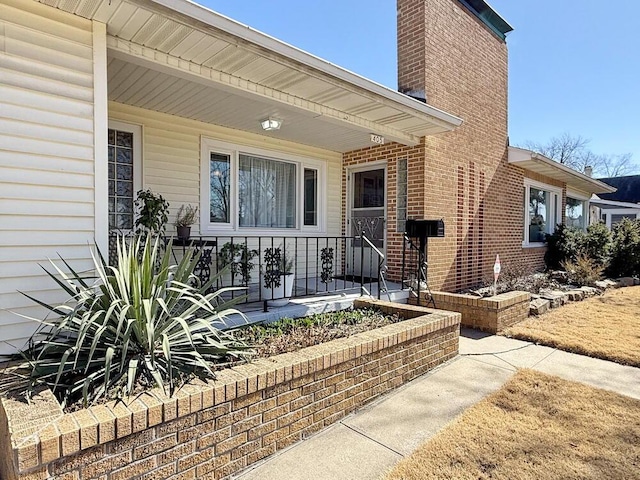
[
  {"x": 381, "y": 266},
  {"x": 415, "y": 267},
  {"x": 281, "y": 267}
]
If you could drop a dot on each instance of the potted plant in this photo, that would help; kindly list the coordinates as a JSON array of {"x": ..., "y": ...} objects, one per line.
[
  {"x": 187, "y": 216},
  {"x": 239, "y": 259},
  {"x": 278, "y": 277},
  {"x": 153, "y": 213}
]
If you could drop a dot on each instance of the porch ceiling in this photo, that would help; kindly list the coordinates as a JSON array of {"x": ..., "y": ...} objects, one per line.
[{"x": 177, "y": 57}]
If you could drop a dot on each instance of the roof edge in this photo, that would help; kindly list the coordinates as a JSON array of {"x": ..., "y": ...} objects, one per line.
[
  {"x": 603, "y": 187},
  {"x": 615, "y": 203},
  {"x": 232, "y": 27},
  {"x": 489, "y": 16}
]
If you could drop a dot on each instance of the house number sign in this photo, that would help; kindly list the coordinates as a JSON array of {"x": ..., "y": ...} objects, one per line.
[{"x": 379, "y": 139}]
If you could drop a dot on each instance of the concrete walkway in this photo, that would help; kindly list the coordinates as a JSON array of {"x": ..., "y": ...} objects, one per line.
[{"x": 365, "y": 445}]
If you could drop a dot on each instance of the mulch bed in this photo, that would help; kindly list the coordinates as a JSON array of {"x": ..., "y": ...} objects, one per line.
[{"x": 289, "y": 335}]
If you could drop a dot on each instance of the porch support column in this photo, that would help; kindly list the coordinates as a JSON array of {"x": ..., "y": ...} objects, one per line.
[{"x": 100, "y": 126}]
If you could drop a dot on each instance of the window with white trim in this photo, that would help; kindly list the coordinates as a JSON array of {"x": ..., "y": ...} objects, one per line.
[
  {"x": 542, "y": 211},
  {"x": 576, "y": 212},
  {"x": 124, "y": 168},
  {"x": 310, "y": 197},
  {"x": 248, "y": 188}
]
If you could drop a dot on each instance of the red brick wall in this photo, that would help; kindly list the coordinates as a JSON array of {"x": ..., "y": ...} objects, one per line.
[{"x": 462, "y": 176}]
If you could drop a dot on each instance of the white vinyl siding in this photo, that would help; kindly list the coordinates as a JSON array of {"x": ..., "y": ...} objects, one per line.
[
  {"x": 46, "y": 156},
  {"x": 171, "y": 160}
]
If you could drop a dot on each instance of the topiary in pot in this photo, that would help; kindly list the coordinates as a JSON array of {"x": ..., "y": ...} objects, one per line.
[
  {"x": 278, "y": 277},
  {"x": 238, "y": 258}
]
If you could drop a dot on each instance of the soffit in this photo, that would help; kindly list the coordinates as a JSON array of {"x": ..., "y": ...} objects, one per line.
[
  {"x": 613, "y": 205},
  {"x": 158, "y": 35},
  {"x": 537, "y": 163},
  {"x": 142, "y": 87}
]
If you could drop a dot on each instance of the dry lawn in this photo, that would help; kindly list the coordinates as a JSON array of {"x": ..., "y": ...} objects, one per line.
[
  {"x": 606, "y": 327},
  {"x": 536, "y": 427}
]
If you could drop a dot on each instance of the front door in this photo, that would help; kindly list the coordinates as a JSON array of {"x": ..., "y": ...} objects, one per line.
[{"x": 366, "y": 216}]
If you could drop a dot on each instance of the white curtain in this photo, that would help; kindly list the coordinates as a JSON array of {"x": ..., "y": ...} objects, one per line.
[{"x": 266, "y": 192}]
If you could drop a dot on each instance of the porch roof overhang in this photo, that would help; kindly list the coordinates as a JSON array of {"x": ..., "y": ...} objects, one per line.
[
  {"x": 614, "y": 205},
  {"x": 538, "y": 163},
  {"x": 180, "y": 58}
]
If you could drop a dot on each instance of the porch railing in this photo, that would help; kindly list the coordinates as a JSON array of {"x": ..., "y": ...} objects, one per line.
[
  {"x": 414, "y": 275},
  {"x": 278, "y": 267}
]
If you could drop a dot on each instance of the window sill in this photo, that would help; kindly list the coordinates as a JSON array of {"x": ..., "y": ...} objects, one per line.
[
  {"x": 263, "y": 232},
  {"x": 534, "y": 245}
]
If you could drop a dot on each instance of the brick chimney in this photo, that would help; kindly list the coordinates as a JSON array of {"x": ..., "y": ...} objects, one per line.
[
  {"x": 448, "y": 52},
  {"x": 454, "y": 54},
  {"x": 411, "y": 47}
]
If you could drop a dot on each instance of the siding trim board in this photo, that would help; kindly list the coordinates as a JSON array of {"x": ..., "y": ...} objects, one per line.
[{"x": 100, "y": 127}]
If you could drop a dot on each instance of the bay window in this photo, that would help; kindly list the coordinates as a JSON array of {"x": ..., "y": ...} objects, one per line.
[
  {"x": 245, "y": 188},
  {"x": 542, "y": 211}
]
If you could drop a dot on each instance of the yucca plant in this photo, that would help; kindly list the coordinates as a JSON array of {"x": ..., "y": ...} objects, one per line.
[{"x": 142, "y": 322}]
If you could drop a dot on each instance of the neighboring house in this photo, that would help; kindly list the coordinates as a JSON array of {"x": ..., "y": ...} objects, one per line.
[
  {"x": 103, "y": 97},
  {"x": 627, "y": 189},
  {"x": 611, "y": 208}
]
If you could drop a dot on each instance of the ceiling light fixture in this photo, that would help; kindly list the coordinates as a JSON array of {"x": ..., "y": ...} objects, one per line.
[{"x": 269, "y": 124}]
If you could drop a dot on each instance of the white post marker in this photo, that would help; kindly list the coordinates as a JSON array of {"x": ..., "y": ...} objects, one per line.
[{"x": 496, "y": 274}]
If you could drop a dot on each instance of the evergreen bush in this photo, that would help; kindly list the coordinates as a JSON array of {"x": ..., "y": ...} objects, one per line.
[{"x": 625, "y": 249}]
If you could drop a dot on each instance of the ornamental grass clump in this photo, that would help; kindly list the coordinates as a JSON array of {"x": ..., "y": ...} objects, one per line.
[{"x": 143, "y": 323}]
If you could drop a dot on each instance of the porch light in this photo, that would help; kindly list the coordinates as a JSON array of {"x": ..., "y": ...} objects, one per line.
[{"x": 271, "y": 124}]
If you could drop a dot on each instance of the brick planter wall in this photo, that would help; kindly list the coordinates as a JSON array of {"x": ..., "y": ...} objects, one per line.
[
  {"x": 214, "y": 429},
  {"x": 492, "y": 314}
]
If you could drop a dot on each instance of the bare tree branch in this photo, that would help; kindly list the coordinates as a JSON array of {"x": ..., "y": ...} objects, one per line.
[
  {"x": 617, "y": 165},
  {"x": 572, "y": 151}
]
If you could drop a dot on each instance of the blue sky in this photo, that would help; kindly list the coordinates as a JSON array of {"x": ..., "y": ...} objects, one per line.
[{"x": 573, "y": 66}]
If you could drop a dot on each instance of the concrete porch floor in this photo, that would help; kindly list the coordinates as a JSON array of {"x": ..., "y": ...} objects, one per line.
[
  {"x": 370, "y": 442},
  {"x": 310, "y": 305}
]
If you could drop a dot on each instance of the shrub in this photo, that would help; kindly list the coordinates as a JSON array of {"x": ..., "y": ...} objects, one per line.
[
  {"x": 519, "y": 275},
  {"x": 625, "y": 249},
  {"x": 583, "y": 271},
  {"x": 597, "y": 243},
  {"x": 143, "y": 323},
  {"x": 565, "y": 243}
]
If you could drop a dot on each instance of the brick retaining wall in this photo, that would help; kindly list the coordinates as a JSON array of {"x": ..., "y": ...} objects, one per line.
[
  {"x": 215, "y": 429},
  {"x": 491, "y": 314}
]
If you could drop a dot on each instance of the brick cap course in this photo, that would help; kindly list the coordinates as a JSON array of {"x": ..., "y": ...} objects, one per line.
[
  {"x": 496, "y": 302},
  {"x": 491, "y": 314},
  {"x": 41, "y": 433}
]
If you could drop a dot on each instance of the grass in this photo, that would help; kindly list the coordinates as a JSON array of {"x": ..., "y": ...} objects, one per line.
[
  {"x": 536, "y": 426},
  {"x": 606, "y": 327}
]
